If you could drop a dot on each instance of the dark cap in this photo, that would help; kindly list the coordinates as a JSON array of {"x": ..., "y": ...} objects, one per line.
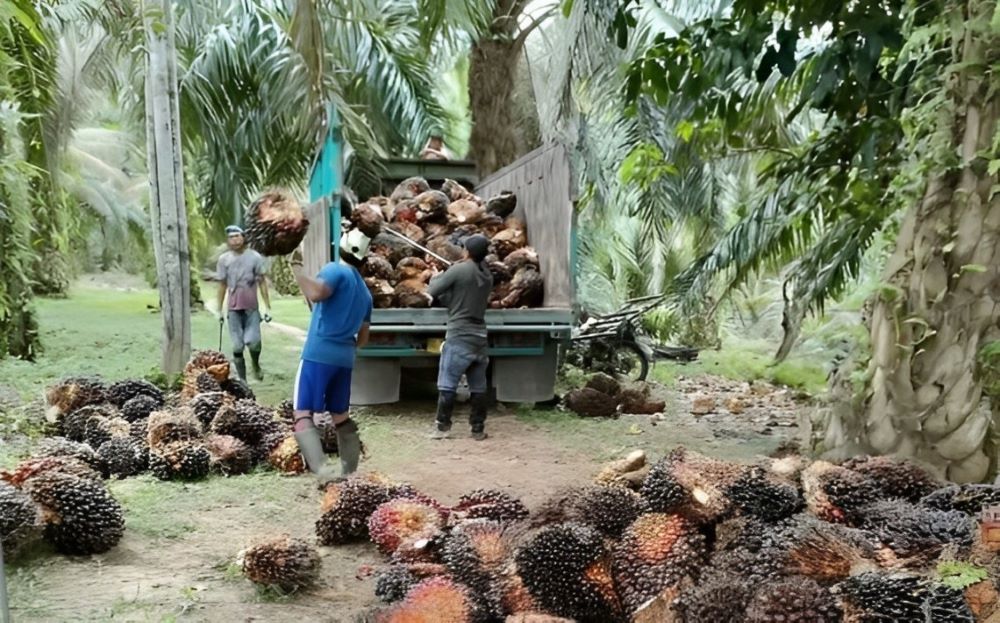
[{"x": 478, "y": 247}]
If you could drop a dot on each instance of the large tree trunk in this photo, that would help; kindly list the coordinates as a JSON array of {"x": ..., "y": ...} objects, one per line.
[
  {"x": 170, "y": 230},
  {"x": 498, "y": 135},
  {"x": 939, "y": 305}
]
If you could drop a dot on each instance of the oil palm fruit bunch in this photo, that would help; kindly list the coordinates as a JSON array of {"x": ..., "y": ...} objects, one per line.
[
  {"x": 19, "y": 520},
  {"x": 346, "y": 508},
  {"x": 140, "y": 407},
  {"x": 60, "y": 446},
  {"x": 179, "y": 460},
  {"x": 73, "y": 425},
  {"x": 970, "y": 499},
  {"x": 285, "y": 457},
  {"x": 35, "y": 467},
  {"x": 834, "y": 493},
  {"x": 79, "y": 514},
  {"x": 478, "y": 554},
  {"x": 661, "y": 490},
  {"x": 122, "y": 391},
  {"x": 878, "y": 596},
  {"x": 275, "y": 223},
  {"x": 490, "y": 504},
  {"x": 434, "y": 600},
  {"x": 393, "y": 582},
  {"x": 228, "y": 455},
  {"x": 280, "y": 274},
  {"x": 176, "y": 425},
  {"x": 657, "y": 551},
  {"x": 122, "y": 457},
  {"x": 101, "y": 429},
  {"x": 405, "y": 524},
  {"x": 281, "y": 562},
  {"x": 825, "y": 552},
  {"x": 910, "y": 530},
  {"x": 896, "y": 478},
  {"x": 237, "y": 388},
  {"x": 608, "y": 509},
  {"x": 565, "y": 569},
  {"x": 720, "y": 597},
  {"x": 204, "y": 372},
  {"x": 247, "y": 421},
  {"x": 205, "y": 405},
  {"x": 793, "y": 600},
  {"x": 759, "y": 493},
  {"x": 72, "y": 393}
]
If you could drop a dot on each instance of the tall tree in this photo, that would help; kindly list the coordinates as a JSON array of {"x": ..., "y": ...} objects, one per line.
[
  {"x": 166, "y": 183},
  {"x": 907, "y": 95}
]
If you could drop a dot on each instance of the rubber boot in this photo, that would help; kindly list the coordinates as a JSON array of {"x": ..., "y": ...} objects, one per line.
[
  {"x": 348, "y": 447},
  {"x": 255, "y": 362},
  {"x": 311, "y": 447},
  {"x": 477, "y": 416},
  {"x": 241, "y": 366},
  {"x": 445, "y": 408}
]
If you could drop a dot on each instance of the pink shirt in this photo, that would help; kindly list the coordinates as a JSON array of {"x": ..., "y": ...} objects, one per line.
[{"x": 241, "y": 272}]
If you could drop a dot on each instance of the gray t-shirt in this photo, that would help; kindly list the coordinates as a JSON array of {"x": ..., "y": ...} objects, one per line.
[
  {"x": 465, "y": 290},
  {"x": 241, "y": 272}
]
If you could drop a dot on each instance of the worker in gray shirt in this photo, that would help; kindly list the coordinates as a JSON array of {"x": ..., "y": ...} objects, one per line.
[
  {"x": 465, "y": 290},
  {"x": 241, "y": 273}
]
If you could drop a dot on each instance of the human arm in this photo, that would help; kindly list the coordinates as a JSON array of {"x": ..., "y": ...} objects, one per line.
[
  {"x": 441, "y": 283},
  {"x": 363, "y": 335},
  {"x": 265, "y": 294},
  {"x": 315, "y": 290}
]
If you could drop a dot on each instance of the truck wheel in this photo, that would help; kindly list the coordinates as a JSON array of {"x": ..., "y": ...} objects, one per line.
[{"x": 630, "y": 363}]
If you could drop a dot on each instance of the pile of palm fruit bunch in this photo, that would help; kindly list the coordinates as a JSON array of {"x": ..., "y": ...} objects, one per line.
[
  {"x": 440, "y": 221},
  {"x": 275, "y": 223},
  {"x": 213, "y": 424},
  {"x": 687, "y": 538},
  {"x": 604, "y": 396}
]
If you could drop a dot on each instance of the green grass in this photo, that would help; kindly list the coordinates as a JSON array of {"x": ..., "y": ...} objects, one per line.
[
  {"x": 747, "y": 361},
  {"x": 118, "y": 334}
]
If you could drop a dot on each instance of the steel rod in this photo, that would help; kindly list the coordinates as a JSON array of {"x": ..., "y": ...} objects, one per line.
[{"x": 416, "y": 245}]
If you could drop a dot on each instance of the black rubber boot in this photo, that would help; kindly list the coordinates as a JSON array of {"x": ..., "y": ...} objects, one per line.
[
  {"x": 348, "y": 446},
  {"x": 477, "y": 415},
  {"x": 255, "y": 361},
  {"x": 241, "y": 365},
  {"x": 445, "y": 408}
]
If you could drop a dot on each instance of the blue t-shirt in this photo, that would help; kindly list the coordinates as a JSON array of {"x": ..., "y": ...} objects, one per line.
[{"x": 336, "y": 320}]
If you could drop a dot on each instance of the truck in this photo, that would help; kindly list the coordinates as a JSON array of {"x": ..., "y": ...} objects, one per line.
[{"x": 524, "y": 344}]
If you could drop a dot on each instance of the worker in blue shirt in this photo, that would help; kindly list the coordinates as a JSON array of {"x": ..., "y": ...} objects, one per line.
[{"x": 342, "y": 310}]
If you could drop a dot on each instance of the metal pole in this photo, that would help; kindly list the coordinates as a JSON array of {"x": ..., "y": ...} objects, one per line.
[
  {"x": 414, "y": 244},
  {"x": 4, "y": 605}
]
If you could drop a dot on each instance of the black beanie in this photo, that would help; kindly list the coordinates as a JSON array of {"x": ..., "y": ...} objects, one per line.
[{"x": 477, "y": 246}]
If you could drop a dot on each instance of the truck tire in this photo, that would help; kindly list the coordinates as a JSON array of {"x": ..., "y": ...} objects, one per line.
[{"x": 630, "y": 363}]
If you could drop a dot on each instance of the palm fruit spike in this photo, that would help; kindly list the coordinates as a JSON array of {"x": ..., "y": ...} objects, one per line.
[
  {"x": 883, "y": 597},
  {"x": 122, "y": 457},
  {"x": 565, "y": 568},
  {"x": 184, "y": 460},
  {"x": 719, "y": 597},
  {"x": 793, "y": 599},
  {"x": 199, "y": 382},
  {"x": 19, "y": 520},
  {"x": 285, "y": 456},
  {"x": 229, "y": 455},
  {"x": 705, "y": 479},
  {"x": 346, "y": 509},
  {"x": 60, "y": 446},
  {"x": 246, "y": 420},
  {"x": 759, "y": 494},
  {"x": 404, "y": 524},
  {"x": 211, "y": 361},
  {"x": 608, "y": 509},
  {"x": 282, "y": 562},
  {"x": 276, "y": 223},
  {"x": 490, "y": 504},
  {"x": 656, "y": 552},
  {"x": 122, "y": 391},
  {"x": 970, "y": 499},
  {"x": 140, "y": 407},
  {"x": 80, "y": 515},
  {"x": 660, "y": 489},
  {"x": 948, "y": 604},
  {"x": 434, "y": 600},
  {"x": 73, "y": 425},
  {"x": 166, "y": 427},
  {"x": 896, "y": 478},
  {"x": 910, "y": 530},
  {"x": 393, "y": 582},
  {"x": 100, "y": 429},
  {"x": 32, "y": 468},
  {"x": 835, "y": 493},
  {"x": 72, "y": 393},
  {"x": 823, "y": 551}
]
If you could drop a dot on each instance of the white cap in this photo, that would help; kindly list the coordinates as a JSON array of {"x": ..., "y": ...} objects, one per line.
[{"x": 355, "y": 243}]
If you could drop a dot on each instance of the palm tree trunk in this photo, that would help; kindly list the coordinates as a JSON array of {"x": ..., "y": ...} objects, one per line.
[
  {"x": 940, "y": 306},
  {"x": 169, "y": 218}
]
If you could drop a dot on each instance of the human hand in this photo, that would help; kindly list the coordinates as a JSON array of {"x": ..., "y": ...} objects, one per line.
[
  {"x": 267, "y": 317},
  {"x": 296, "y": 258}
]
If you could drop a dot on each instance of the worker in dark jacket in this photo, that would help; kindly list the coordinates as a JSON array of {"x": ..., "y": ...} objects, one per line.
[{"x": 465, "y": 290}]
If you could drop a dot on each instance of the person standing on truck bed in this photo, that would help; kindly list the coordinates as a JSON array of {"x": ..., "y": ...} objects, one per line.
[
  {"x": 465, "y": 290},
  {"x": 341, "y": 314},
  {"x": 241, "y": 273}
]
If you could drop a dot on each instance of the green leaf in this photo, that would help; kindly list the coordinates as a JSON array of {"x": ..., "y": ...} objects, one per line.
[
  {"x": 973, "y": 268},
  {"x": 994, "y": 166},
  {"x": 567, "y": 8},
  {"x": 960, "y": 575},
  {"x": 685, "y": 130}
]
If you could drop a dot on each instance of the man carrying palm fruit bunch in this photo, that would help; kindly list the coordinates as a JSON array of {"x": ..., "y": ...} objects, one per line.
[
  {"x": 465, "y": 290},
  {"x": 341, "y": 313},
  {"x": 241, "y": 274}
]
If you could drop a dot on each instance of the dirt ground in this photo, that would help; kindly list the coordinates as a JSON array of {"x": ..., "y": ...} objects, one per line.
[{"x": 177, "y": 559}]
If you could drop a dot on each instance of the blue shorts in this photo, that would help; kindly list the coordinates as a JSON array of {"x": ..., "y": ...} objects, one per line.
[{"x": 320, "y": 387}]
